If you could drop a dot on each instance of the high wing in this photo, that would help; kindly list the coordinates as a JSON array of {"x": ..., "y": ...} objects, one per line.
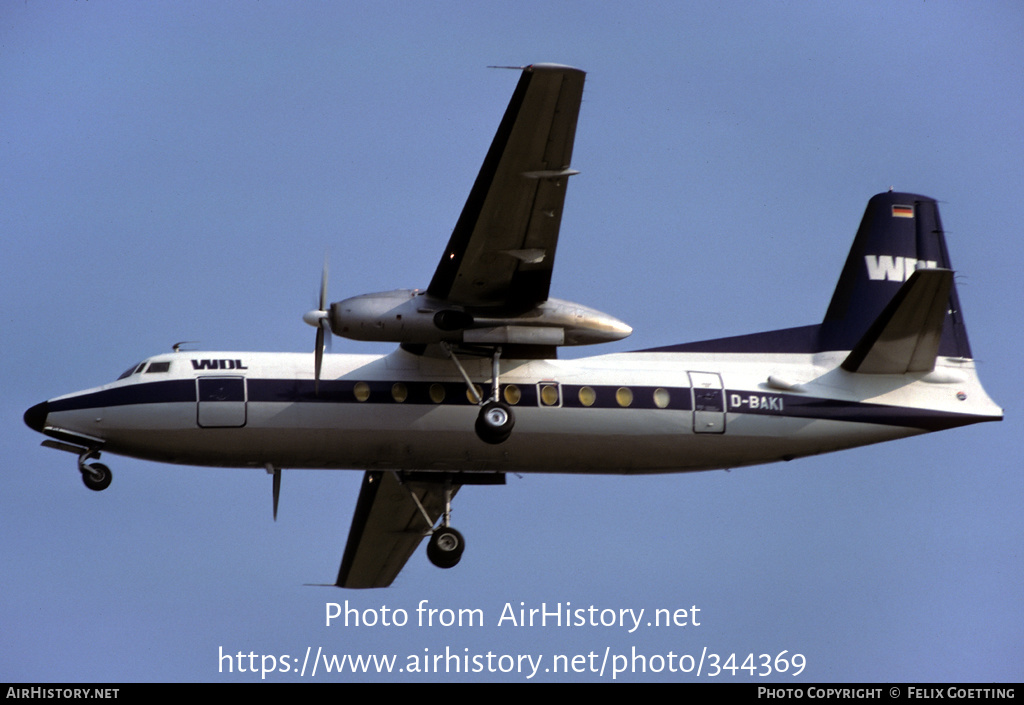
[
  {"x": 387, "y": 527},
  {"x": 490, "y": 289},
  {"x": 498, "y": 262},
  {"x": 502, "y": 250}
]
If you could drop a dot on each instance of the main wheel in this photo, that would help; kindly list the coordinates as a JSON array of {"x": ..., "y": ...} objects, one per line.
[
  {"x": 445, "y": 547},
  {"x": 97, "y": 477},
  {"x": 495, "y": 422}
]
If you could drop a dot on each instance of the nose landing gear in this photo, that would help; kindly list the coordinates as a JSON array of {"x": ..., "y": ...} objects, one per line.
[{"x": 96, "y": 476}]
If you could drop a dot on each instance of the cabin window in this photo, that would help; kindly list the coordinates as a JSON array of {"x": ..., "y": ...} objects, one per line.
[
  {"x": 549, "y": 394},
  {"x": 437, "y": 393},
  {"x": 399, "y": 392},
  {"x": 587, "y": 396},
  {"x": 512, "y": 394},
  {"x": 661, "y": 398},
  {"x": 479, "y": 394},
  {"x": 362, "y": 391},
  {"x": 624, "y": 396}
]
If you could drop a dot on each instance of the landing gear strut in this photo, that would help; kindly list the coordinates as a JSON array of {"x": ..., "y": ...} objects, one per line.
[
  {"x": 495, "y": 421},
  {"x": 446, "y": 544}
]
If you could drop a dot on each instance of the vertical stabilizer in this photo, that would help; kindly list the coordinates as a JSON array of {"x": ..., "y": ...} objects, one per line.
[{"x": 899, "y": 234}]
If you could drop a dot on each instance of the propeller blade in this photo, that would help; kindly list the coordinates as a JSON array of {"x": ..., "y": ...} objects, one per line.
[
  {"x": 323, "y": 287},
  {"x": 318, "y": 352},
  {"x": 276, "y": 472},
  {"x": 319, "y": 318},
  {"x": 277, "y": 489}
]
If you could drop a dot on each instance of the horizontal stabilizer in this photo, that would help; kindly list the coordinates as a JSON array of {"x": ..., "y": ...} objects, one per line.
[{"x": 905, "y": 337}]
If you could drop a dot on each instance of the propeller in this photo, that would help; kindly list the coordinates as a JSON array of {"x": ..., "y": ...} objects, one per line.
[
  {"x": 276, "y": 472},
  {"x": 277, "y": 490},
  {"x": 320, "y": 319}
]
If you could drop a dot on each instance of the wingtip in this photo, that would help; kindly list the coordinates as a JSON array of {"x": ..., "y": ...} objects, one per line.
[
  {"x": 543, "y": 66},
  {"x": 565, "y": 68}
]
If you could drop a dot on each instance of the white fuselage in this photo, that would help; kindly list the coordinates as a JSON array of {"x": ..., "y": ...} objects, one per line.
[{"x": 646, "y": 412}]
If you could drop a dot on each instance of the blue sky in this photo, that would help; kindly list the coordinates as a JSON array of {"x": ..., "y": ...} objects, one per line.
[{"x": 176, "y": 171}]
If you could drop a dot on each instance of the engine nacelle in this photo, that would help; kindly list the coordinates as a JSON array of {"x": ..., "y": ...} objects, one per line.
[{"x": 410, "y": 316}]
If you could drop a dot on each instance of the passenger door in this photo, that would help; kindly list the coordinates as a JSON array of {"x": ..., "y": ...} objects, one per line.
[
  {"x": 708, "y": 402},
  {"x": 222, "y": 402}
]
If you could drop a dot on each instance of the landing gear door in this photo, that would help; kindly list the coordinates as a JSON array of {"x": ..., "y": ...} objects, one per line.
[
  {"x": 708, "y": 402},
  {"x": 221, "y": 402}
]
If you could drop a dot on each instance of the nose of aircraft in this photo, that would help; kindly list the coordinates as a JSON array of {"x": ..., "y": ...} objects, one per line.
[{"x": 35, "y": 417}]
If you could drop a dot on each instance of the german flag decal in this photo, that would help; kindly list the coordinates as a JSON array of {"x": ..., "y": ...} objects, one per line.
[{"x": 902, "y": 211}]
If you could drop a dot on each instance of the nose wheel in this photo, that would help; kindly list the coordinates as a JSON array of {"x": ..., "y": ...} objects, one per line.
[{"x": 97, "y": 477}]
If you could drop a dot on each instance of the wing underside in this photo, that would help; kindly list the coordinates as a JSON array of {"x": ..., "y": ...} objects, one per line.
[
  {"x": 502, "y": 250},
  {"x": 387, "y": 527}
]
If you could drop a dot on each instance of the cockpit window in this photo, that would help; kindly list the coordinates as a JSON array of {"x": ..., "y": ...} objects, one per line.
[
  {"x": 132, "y": 370},
  {"x": 158, "y": 367}
]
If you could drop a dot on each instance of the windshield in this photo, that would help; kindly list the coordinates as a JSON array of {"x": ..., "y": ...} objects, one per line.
[{"x": 137, "y": 367}]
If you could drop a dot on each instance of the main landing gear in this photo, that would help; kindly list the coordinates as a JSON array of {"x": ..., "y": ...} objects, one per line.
[
  {"x": 495, "y": 421},
  {"x": 432, "y": 494},
  {"x": 446, "y": 544},
  {"x": 444, "y": 549}
]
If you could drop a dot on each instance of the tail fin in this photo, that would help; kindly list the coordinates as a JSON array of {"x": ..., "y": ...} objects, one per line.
[{"x": 900, "y": 234}]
